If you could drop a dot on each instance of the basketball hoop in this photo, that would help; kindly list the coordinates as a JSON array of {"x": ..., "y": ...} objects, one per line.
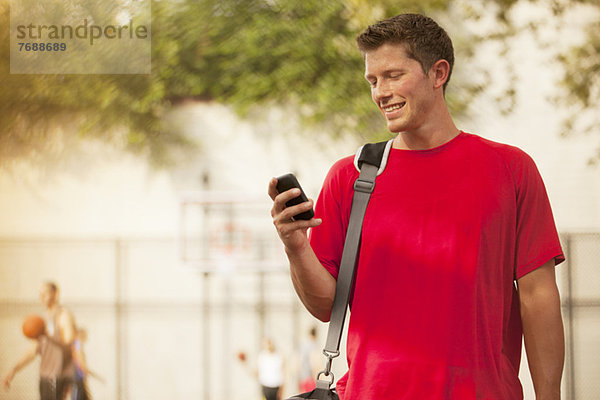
[
  {"x": 229, "y": 244},
  {"x": 222, "y": 232},
  {"x": 230, "y": 239}
]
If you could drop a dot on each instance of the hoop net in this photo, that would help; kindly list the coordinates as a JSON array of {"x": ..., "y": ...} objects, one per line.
[{"x": 223, "y": 232}]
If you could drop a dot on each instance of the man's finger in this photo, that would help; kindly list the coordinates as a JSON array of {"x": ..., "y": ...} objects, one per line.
[
  {"x": 290, "y": 212},
  {"x": 282, "y": 198},
  {"x": 285, "y": 229},
  {"x": 272, "y": 190}
]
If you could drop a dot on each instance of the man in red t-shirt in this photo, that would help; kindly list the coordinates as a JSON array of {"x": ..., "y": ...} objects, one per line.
[{"x": 458, "y": 245}]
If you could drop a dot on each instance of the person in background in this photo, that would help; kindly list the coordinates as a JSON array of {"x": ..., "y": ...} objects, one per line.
[
  {"x": 269, "y": 370},
  {"x": 310, "y": 358},
  {"x": 80, "y": 389},
  {"x": 57, "y": 370}
]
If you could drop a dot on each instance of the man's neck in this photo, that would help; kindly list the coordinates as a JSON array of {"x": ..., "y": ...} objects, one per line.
[
  {"x": 52, "y": 309},
  {"x": 413, "y": 140},
  {"x": 436, "y": 130}
]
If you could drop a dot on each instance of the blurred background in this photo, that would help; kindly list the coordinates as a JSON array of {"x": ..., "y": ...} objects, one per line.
[{"x": 144, "y": 196}]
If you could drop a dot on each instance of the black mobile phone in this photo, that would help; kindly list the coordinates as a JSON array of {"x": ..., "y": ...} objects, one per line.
[{"x": 287, "y": 182}]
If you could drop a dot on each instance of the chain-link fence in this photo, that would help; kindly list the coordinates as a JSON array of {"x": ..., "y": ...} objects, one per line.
[
  {"x": 580, "y": 292},
  {"x": 157, "y": 329}
]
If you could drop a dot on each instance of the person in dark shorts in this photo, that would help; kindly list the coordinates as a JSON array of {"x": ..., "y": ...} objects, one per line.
[
  {"x": 269, "y": 370},
  {"x": 57, "y": 370}
]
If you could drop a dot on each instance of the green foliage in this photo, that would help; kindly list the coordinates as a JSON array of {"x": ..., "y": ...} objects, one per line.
[
  {"x": 124, "y": 109},
  {"x": 581, "y": 81},
  {"x": 253, "y": 52},
  {"x": 245, "y": 53}
]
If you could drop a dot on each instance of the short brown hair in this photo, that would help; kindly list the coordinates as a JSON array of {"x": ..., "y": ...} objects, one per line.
[
  {"x": 52, "y": 286},
  {"x": 424, "y": 40}
]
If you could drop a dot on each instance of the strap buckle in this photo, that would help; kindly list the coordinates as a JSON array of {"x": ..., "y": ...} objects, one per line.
[
  {"x": 327, "y": 371},
  {"x": 323, "y": 384},
  {"x": 330, "y": 356},
  {"x": 361, "y": 185}
]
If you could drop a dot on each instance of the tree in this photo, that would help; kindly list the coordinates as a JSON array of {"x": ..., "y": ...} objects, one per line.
[
  {"x": 122, "y": 108},
  {"x": 580, "y": 81},
  {"x": 245, "y": 53}
]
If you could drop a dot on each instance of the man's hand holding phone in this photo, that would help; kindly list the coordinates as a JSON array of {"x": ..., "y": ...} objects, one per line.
[{"x": 292, "y": 211}]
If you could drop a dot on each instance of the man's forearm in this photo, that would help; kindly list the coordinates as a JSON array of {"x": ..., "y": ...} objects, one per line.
[
  {"x": 24, "y": 361},
  {"x": 544, "y": 341},
  {"x": 314, "y": 285}
]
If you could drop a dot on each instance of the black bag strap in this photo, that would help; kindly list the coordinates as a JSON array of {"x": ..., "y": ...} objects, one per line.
[
  {"x": 373, "y": 153},
  {"x": 370, "y": 160}
]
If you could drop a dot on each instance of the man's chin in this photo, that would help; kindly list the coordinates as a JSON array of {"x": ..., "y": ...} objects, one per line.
[{"x": 394, "y": 127}]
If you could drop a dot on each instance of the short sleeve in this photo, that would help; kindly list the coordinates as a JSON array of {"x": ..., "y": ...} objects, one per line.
[
  {"x": 537, "y": 239},
  {"x": 333, "y": 207}
]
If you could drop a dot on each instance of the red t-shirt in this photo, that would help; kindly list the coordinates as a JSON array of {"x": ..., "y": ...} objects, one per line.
[{"x": 435, "y": 313}]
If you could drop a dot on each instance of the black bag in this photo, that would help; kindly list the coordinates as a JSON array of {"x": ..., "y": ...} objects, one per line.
[
  {"x": 317, "y": 394},
  {"x": 370, "y": 161}
]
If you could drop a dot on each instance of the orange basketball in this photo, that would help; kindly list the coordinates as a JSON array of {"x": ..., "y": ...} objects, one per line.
[{"x": 33, "y": 326}]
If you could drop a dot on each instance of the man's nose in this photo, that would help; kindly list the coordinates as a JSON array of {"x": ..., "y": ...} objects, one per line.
[{"x": 381, "y": 91}]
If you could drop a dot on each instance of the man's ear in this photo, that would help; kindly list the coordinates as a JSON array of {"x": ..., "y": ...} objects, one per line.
[{"x": 440, "y": 71}]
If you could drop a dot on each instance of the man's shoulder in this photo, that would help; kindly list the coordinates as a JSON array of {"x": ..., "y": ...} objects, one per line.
[
  {"x": 519, "y": 165},
  {"x": 343, "y": 168},
  {"x": 492, "y": 145},
  {"x": 340, "y": 178},
  {"x": 509, "y": 153},
  {"x": 344, "y": 163},
  {"x": 65, "y": 315}
]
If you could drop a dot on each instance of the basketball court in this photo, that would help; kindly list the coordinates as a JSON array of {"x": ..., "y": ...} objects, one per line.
[{"x": 168, "y": 316}]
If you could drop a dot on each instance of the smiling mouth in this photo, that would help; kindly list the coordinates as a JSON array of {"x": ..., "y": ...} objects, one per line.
[{"x": 393, "y": 107}]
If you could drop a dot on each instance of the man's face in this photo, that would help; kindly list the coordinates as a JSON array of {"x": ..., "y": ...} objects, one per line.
[
  {"x": 399, "y": 87},
  {"x": 47, "y": 295}
]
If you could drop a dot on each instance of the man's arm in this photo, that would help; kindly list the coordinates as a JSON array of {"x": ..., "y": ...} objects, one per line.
[
  {"x": 313, "y": 283},
  {"x": 543, "y": 330},
  {"x": 66, "y": 327},
  {"x": 66, "y": 324},
  {"x": 27, "y": 358}
]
